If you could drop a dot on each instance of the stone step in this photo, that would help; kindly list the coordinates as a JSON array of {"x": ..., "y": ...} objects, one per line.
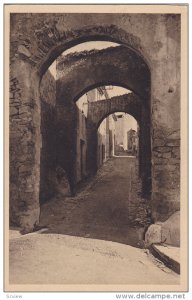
[{"x": 169, "y": 255}]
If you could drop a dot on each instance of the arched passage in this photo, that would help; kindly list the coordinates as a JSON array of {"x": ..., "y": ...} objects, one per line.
[
  {"x": 99, "y": 110},
  {"x": 36, "y": 40},
  {"x": 131, "y": 104},
  {"x": 117, "y": 65},
  {"x": 54, "y": 43},
  {"x": 79, "y": 73},
  {"x": 67, "y": 111},
  {"x": 117, "y": 136}
]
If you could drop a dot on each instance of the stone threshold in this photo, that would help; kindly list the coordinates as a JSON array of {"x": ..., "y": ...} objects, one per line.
[{"x": 169, "y": 255}]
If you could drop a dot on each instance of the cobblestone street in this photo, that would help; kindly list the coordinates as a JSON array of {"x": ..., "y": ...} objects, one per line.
[
  {"x": 95, "y": 237},
  {"x": 109, "y": 207}
]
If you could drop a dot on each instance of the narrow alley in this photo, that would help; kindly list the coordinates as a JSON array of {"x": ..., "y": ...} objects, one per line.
[
  {"x": 109, "y": 208},
  {"x": 95, "y": 237}
]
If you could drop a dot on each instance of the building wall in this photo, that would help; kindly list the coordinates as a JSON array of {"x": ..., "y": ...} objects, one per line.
[
  {"x": 124, "y": 124},
  {"x": 132, "y": 142},
  {"x": 81, "y": 168},
  {"x": 102, "y": 143},
  {"x": 103, "y": 130},
  {"x": 120, "y": 129},
  {"x": 81, "y": 150},
  {"x": 106, "y": 136},
  {"x": 112, "y": 134},
  {"x": 103, "y": 134}
]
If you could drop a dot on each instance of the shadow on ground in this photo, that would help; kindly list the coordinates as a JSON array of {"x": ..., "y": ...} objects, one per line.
[{"x": 109, "y": 208}]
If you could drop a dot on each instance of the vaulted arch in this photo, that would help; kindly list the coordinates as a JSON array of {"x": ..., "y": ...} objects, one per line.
[
  {"x": 128, "y": 103},
  {"x": 115, "y": 66},
  {"x": 79, "y": 73},
  {"x": 37, "y": 39},
  {"x": 131, "y": 104}
]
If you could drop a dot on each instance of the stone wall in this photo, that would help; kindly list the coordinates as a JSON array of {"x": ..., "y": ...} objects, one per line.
[
  {"x": 16, "y": 133},
  {"x": 48, "y": 164},
  {"x": 66, "y": 139},
  {"x": 166, "y": 121},
  {"x": 55, "y": 163},
  {"x": 166, "y": 173},
  {"x": 25, "y": 143},
  {"x": 129, "y": 103}
]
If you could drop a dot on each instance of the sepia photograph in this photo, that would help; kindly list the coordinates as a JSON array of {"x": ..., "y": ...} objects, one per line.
[{"x": 96, "y": 147}]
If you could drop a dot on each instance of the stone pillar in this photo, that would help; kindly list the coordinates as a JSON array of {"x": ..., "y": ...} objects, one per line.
[
  {"x": 66, "y": 141},
  {"x": 166, "y": 173},
  {"x": 165, "y": 109},
  {"x": 145, "y": 151},
  {"x": 25, "y": 143}
]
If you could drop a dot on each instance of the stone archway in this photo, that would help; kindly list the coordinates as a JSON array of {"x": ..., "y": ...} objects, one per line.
[
  {"x": 131, "y": 104},
  {"x": 81, "y": 72},
  {"x": 34, "y": 45},
  {"x": 99, "y": 110},
  {"x": 36, "y": 40},
  {"x": 117, "y": 65}
]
